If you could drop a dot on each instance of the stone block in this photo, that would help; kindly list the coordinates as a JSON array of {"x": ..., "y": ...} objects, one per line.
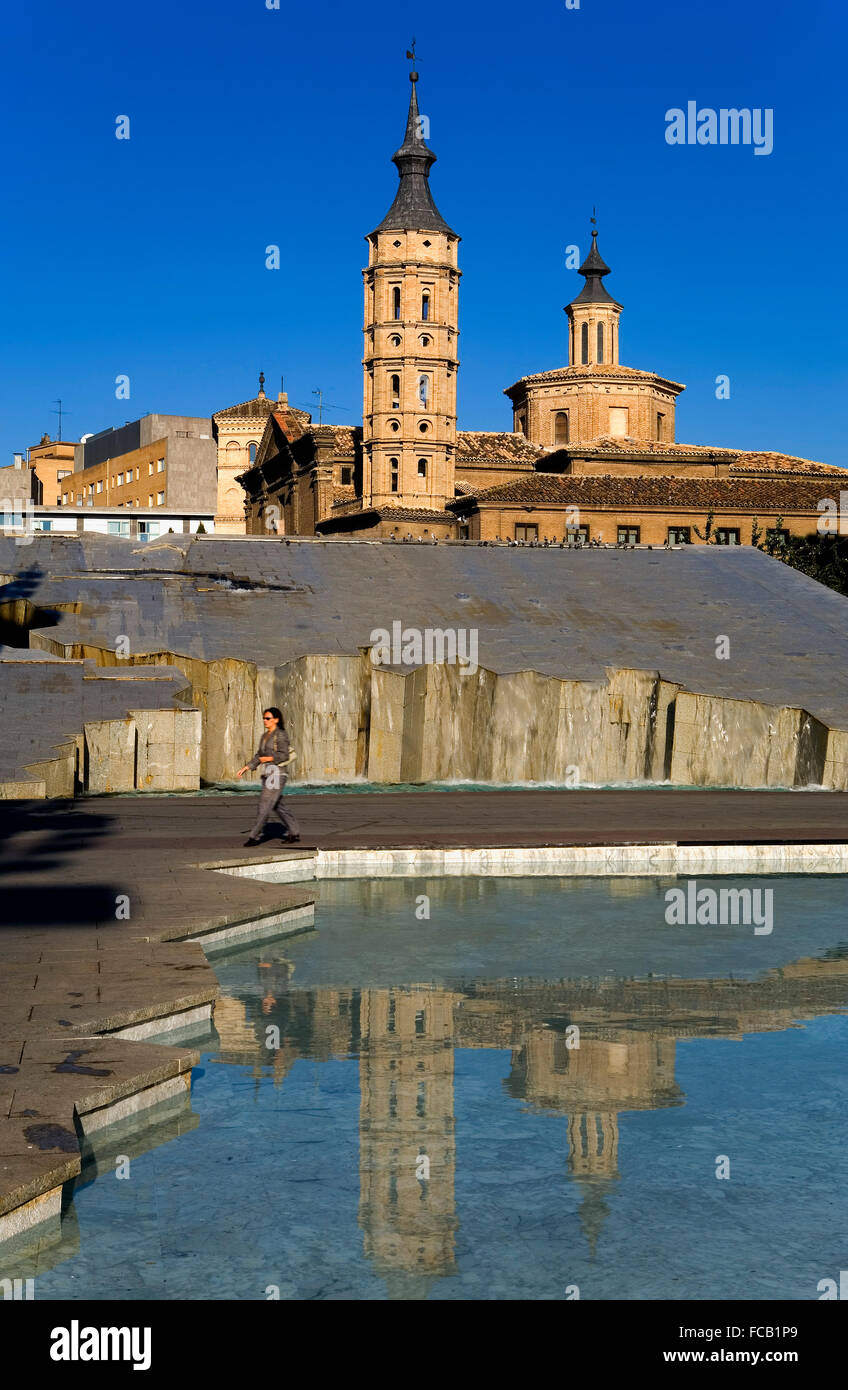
[{"x": 110, "y": 755}]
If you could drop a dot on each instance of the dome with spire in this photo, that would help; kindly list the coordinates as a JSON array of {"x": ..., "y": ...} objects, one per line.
[
  {"x": 413, "y": 208},
  {"x": 593, "y": 269}
]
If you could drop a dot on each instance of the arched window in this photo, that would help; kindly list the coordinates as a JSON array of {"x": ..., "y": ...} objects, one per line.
[
  {"x": 422, "y": 468},
  {"x": 584, "y": 344},
  {"x": 600, "y": 342},
  {"x": 395, "y": 474},
  {"x": 251, "y": 453},
  {"x": 424, "y": 389},
  {"x": 396, "y": 302},
  {"x": 425, "y": 305},
  {"x": 395, "y": 387},
  {"x": 561, "y": 427}
]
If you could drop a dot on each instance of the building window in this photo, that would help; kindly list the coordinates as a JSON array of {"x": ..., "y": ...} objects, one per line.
[
  {"x": 424, "y": 389},
  {"x": 619, "y": 421},
  {"x": 393, "y": 425},
  {"x": 120, "y": 480},
  {"x": 425, "y": 305},
  {"x": 577, "y": 534},
  {"x": 422, "y": 468},
  {"x": 777, "y": 535},
  {"x": 584, "y": 344},
  {"x": 251, "y": 453},
  {"x": 628, "y": 535},
  {"x": 129, "y": 475},
  {"x": 423, "y": 427},
  {"x": 521, "y": 424},
  {"x": 727, "y": 535},
  {"x": 347, "y": 475},
  {"x": 150, "y": 499},
  {"x": 464, "y": 531},
  {"x": 64, "y": 499},
  {"x": 600, "y": 342},
  {"x": 425, "y": 341},
  {"x": 160, "y": 499},
  {"x": 395, "y": 474},
  {"x": 100, "y": 485},
  {"x": 395, "y": 340},
  {"x": 118, "y": 528},
  {"x": 660, "y": 418},
  {"x": 679, "y": 535},
  {"x": 526, "y": 533},
  {"x": 396, "y": 302},
  {"x": 561, "y": 427},
  {"x": 91, "y": 489},
  {"x": 395, "y": 389},
  {"x": 160, "y": 465},
  {"x": 150, "y": 466}
]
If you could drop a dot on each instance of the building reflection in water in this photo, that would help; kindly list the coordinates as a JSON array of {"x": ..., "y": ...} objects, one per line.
[{"x": 405, "y": 1040}]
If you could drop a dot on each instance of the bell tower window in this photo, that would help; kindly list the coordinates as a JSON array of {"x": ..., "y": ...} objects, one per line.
[
  {"x": 561, "y": 427},
  {"x": 425, "y": 305},
  {"x": 424, "y": 389},
  {"x": 394, "y": 467},
  {"x": 395, "y": 389},
  {"x": 584, "y": 344},
  {"x": 396, "y": 302},
  {"x": 600, "y": 342}
]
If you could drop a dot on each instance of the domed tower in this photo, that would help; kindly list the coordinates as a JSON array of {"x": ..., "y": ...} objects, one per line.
[
  {"x": 410, "y": 362},
  {"x": 593, "y": 316}
]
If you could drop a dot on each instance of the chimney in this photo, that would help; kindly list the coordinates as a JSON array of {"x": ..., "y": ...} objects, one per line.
[{"x": 19, "y": 460}]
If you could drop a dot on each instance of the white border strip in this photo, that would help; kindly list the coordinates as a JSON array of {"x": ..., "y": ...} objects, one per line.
[{"x": 607, "y": 860}]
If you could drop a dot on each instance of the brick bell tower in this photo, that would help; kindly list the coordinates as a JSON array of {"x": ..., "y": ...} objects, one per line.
[{"x": 410, "y": 362}]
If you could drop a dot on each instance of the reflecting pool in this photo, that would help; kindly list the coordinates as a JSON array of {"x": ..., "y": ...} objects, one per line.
[{"x": 492, "y": 1088}]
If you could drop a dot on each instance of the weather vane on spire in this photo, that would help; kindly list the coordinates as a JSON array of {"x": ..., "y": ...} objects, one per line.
[
  {"x": 593, "y": 219},
  {"x": 410, "y": 53}
]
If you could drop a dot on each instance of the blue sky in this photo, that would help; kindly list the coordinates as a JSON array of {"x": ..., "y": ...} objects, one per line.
[{"x": 251, "y": 127}]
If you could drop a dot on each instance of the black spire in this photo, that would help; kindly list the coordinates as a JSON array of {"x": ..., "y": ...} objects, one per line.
[
  {"x": 594, "y": 268},
  {"x": 413, "y": 208}
]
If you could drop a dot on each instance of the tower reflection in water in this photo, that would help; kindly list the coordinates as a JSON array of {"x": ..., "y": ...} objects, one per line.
[{"x": 405, "y": 1040}]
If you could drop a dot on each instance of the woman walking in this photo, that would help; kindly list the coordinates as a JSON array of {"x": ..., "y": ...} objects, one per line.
[{"x": 272, "y": 755}]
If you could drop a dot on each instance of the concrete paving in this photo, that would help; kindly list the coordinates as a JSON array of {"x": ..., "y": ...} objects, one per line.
[{"x": 93, "y": 941}]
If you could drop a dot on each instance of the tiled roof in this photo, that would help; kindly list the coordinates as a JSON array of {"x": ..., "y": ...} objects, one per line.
[
  {"x": 741, "y": 461},
  {"x": 495, "y": 446},
  {"x": 627, "y": 444},
  {"x": 747, "y": 462},
  {"x": 257, "y": 409},
  {"x": 345, "y": 437},
  {"x": 342, "y": 495},
  {"x": 412, "y": 514},
  {"x": 725, "y": 494},
  {"x": 591, "y": 369}
]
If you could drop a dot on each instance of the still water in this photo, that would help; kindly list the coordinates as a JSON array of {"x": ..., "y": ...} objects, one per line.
[{"x": 472, "y": 1088}]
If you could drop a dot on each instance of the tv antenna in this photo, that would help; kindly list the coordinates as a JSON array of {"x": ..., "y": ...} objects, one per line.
[{"x": 60, "y": 412}]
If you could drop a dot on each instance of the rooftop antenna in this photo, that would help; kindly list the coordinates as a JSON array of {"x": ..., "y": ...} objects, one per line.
[
  {"x": 60, "y": 412},
  {"x": 323, "y": 405}
]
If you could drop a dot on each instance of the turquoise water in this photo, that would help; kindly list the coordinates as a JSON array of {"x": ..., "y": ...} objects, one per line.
[{"x": 555, "y": 1158}]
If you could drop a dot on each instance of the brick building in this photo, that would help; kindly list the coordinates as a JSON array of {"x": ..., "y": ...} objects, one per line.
[{"x": 592, "y": 457}]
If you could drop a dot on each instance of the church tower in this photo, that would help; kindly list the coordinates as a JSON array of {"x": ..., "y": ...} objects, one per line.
[
  {"x": 410, "y": 362},
  {"x": 593, "y": 316}
]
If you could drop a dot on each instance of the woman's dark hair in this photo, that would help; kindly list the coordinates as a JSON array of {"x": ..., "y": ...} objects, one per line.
[{"x": 278, "y": 714}]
